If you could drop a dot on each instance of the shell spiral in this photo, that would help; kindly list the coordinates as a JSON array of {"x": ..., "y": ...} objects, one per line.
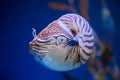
[
  {"x": 65, "y": 43},
  {"x": 81, "y": 32}
]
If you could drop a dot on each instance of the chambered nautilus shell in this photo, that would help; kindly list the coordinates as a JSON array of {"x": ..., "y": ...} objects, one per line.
[{"x": 64, "y": 44}]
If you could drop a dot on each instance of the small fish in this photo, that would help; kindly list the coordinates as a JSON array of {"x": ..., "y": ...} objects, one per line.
[{"x": 64, "y": 44}]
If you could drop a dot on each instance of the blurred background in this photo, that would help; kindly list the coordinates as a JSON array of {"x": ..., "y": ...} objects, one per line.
[{"x": 18, "y": 17}]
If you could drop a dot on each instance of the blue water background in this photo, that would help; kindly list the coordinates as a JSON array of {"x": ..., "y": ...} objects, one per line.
[{"x": 18, "y": 17}]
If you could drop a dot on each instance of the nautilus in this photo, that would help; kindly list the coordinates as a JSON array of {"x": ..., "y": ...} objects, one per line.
[{"x": 65, "y": 44}]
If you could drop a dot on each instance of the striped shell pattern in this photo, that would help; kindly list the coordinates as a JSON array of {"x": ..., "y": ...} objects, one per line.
[{"x": 64, "y": 44}]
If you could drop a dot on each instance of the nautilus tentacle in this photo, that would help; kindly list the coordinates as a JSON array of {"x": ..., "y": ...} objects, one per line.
[{"x": 64, "y": 44}]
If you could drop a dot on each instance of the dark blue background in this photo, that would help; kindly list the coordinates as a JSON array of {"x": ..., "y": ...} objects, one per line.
[{"x": 17, "y": 17}]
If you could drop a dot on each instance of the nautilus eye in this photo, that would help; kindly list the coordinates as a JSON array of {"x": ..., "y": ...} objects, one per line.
[
  {"x": 61, "y": 39},
  {"x": 65, "y": 44}
]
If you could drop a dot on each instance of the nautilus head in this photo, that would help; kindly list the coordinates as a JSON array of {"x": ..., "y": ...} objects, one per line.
[{"x": 65, "y": 44}]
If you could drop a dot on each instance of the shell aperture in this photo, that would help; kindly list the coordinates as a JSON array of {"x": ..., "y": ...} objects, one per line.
[{"x": 64, "y": 44}]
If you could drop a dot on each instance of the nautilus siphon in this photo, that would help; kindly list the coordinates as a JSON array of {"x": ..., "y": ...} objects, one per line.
[{"x": 65, "y": 44}]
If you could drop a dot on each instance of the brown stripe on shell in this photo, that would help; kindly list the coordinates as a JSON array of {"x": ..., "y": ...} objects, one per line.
[
  {"x": 88, "y": 54},
  {"x": 67, "y": 17},
  {"x": 89, "y": 29},
  {"x": 82, "y": 58},
  {"x": 80, "y": 21},
  {"x": 88, "y": 35},
  {"x": 83, "y": 26},
  {"x": 89, "y": 47},
  {"x": 78, "y": 60},
  {"x": 70, "y": 51},
  {"x": 75, "y": 18},
  {"x": 62, "y": 19},
  {"x": 70, "y": 16},
  {"x": 89, "y": 41},
  {"x": 86, "y": 27},
  {"x": 77, "y": 56}
]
